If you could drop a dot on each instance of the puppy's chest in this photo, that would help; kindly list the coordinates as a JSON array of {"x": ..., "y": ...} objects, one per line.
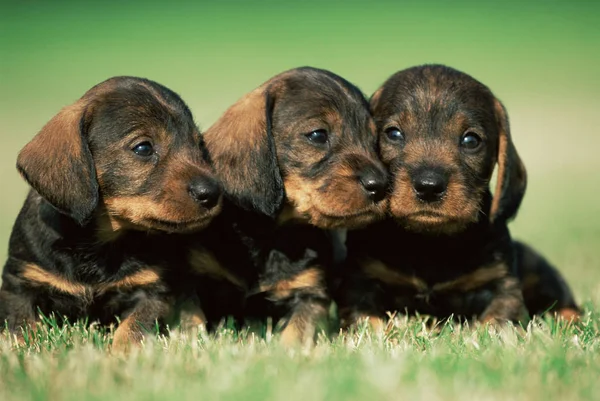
[
  {"x": 274, "y": 263},
  {"x": 433, "y": 277},
  {"x": 295, "y": 252},
  {"x": 135, "y": 259},
  {"x": 104, "y": 280}
]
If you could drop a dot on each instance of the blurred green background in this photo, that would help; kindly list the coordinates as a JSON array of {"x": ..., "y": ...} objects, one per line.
[{"x": 542, "y": 59}]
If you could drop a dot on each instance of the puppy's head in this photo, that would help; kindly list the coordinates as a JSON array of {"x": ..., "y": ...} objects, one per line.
[
  {"x": 441, "y": 134},
  {"x": 129, "y": 149},
  {"x": 305, "y": 140}
]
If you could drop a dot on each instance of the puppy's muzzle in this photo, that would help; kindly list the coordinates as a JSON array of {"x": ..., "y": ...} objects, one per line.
[
  {"x": 429, "y": 185},
  {"x": 205, "y": 191},
  {"x": 374, "y": 182}
]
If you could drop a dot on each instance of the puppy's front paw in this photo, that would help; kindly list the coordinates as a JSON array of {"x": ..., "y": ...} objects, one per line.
[{"x": 127, "y": 336}]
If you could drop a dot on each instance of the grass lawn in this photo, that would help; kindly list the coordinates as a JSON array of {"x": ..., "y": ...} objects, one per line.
[
  {"x": 542, "y": 61},
  {"x": 546, "y": 361}
]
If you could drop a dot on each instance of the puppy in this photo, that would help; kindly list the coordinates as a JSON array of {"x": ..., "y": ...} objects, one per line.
[
  {"x": 114, "y": 177},
  {"x": 446, "y": 250},
  {"x": 296, "y": 156}
]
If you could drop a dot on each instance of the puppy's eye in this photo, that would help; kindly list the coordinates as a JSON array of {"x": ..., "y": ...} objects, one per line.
[
  {"x": 143, "y": 149},
  {"x": 318, "y": 136},
  {"x": 470, "y": 141},
  {"x": 394, "y": 134}
]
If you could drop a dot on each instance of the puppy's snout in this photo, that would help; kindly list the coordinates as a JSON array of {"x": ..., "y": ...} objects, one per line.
[
  {"x": 206, "y": 191},
  {"x": 429, "y": 185},
  {"x": 374, "y": 182}
]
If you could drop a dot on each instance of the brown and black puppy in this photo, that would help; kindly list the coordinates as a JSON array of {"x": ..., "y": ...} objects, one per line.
[
  {"x": 446, "y": 250},
  {"x": 118, "y": 179},
  {"x": 295, "y": 156}
]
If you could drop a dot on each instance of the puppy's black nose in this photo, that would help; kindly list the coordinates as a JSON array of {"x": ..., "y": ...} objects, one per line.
[
  {"x": 374, "y": 182},
  {"x": 205, "y": 191},
  {"x": 430, "y": 185}
]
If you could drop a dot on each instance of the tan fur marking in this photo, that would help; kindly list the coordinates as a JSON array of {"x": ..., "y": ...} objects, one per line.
[
  {"x": 569, "y": 314},
  {"x": 109, "y": 229},
  {"x": 126, "y": 334},
  {"x": 136, "y": 208},
  {"x": 471, "y": 281},
  {"x": 138, "y": 279},
  {"x": 204, "y": 262},
  {"x": 192, "y": 316},
  {"x": 491, "y": 320},
  {"x": 132, "y": 329},
  {"x": 37, "y": 275},
  {"x": 190, "y": 319},
  {"x": 291, "y": 334},
  {"x": 480, "y": 277},
  {"x": 138, "y": 211},
  {"x": 510, "y": 165},
  {"x": 502, "y": 156},
  {"x": 309, "y": 278},
  {"x": 378, "y": 270},
  {"x": 459, "y": 208},
  {"x": 376, "y": 323},
  {"x": 141, "y": 278},
  {"x": 298, "y": 194},
  {"x": 325, "y": 210},
  {"x": 290, "y": 214},
  {"x": 302, "y": 325}
]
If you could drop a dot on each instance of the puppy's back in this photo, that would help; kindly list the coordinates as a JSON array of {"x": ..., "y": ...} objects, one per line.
[{"x": 544, "y": 288}]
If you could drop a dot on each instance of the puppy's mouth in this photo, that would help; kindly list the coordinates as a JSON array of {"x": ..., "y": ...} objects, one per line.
[
  {"x": 428, "y": 214},
  {"x": 186, "y": 226},
  {"x": 159, "y": 225},
  {"x": 347, "y": 216},
  {"x": 429, "y": 217},
  {"x": 350, "y": 220},
  {"x": 142, "y": 214},
  {"x": 430, "y": 221}
]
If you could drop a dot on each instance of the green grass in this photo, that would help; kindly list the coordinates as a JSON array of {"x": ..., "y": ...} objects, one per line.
[
  {"x": 540, "y": 58},
  {"x": 546, "y": 360}
]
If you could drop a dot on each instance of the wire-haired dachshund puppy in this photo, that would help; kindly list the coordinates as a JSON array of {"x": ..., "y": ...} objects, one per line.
[
  {"x": 113, "y": 176},
  {"x": 446, "y": 250},
  {"x": 295, "y": 156}
]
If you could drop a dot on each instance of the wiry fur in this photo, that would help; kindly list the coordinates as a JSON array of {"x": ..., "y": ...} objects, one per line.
[
  {"x": 453, "y": 251},
  {"x": 104, "y": 231}
]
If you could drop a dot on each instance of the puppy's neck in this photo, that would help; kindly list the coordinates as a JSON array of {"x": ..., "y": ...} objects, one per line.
[
  {"x": 99, "y": 230},
  {"x": 290, "y": 215},
  {"x": 109, "y": 228}
]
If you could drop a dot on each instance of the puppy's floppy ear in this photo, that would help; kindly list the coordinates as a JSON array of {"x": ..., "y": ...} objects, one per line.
[
  {"x": 242, "y": 150},
  {"x": 58, "y": 164},
  {"x": 374, "y": 101},
  {"x": 512, "y": 176}
]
